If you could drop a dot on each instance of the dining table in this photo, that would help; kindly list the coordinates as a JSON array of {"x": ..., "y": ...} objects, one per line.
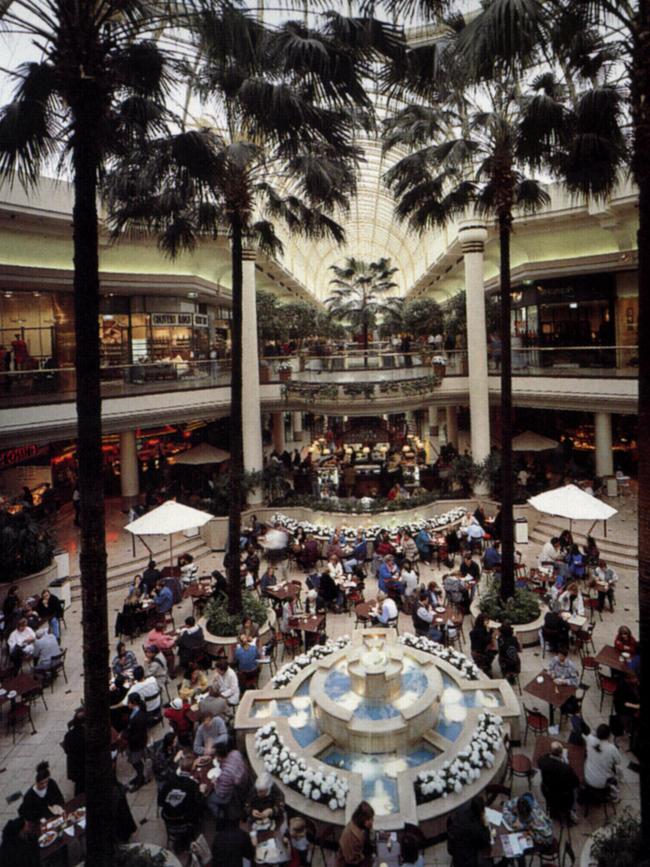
[
  {"x": 364, "y": 611},
  {"x": 283, "y": 592},
  {"x": 554, "y": 694},
  {"x": 611, "y": 657},
  {"x": 21, "y": 684},
  {"x": 575, "y": 754},
  {"x": 71, "y": 828}
]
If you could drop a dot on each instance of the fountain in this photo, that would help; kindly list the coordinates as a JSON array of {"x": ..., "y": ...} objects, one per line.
[{"x": 376, "y": 713}]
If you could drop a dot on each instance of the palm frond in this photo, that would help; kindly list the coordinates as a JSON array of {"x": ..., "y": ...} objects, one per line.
[{"x": 265, "y": 238}]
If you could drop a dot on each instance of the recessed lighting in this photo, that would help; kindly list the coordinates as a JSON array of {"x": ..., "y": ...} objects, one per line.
[
  {"x": 8, "y": 294},
  {"x": 192, "y": 294},
  {"x": 36, "y": 294}
]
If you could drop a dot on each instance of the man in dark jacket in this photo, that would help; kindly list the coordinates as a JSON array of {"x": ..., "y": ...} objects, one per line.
[
  {"x": 555, "y": 631},
  {"x": 468, "y": 834},
  {"x": 559, "y": 783},
  {"x": 180, "y": 799},
  {"x": 74, "y": 747},
  {"x": 136, "y": 738},
  {"x": 150, "y": 576}
]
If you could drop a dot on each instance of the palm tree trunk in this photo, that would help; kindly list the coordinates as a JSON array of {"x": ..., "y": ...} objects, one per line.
[
  {"x": 92, "y": 557},
  {"x": 641, "y": 116},
  {"x": 365, "y": 345},
  {"x": 236, "y": 434},
  {"x": 507, "y": 530}
]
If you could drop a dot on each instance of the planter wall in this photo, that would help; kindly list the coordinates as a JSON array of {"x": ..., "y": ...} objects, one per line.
[
  {"x": 31, "y": 584},
  {"x": 527, "y": 633},
  {"x": 214, "y": 644}
]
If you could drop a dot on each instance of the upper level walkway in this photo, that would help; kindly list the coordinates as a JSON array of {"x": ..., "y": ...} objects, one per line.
[{"x": 38, "y": 405}]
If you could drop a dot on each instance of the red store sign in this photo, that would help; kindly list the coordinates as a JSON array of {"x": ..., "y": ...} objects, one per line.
[{"x": 10, "y": 457}]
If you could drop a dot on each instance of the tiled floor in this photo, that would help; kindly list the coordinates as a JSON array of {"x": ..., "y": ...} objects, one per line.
[{"x": 17, "y": 762}]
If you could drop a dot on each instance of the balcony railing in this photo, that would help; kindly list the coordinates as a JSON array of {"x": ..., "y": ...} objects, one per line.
[{"x": 375, "y": 373}]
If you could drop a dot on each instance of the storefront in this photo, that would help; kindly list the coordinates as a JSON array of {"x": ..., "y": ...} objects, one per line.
[
  {"x": 573, "y": 312},
  {"x": 130, "y": 328}
]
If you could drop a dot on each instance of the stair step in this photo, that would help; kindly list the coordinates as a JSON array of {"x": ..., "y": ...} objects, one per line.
[
  {"x": 605, "y": 543},
  {"x": 628, "y": 561}
]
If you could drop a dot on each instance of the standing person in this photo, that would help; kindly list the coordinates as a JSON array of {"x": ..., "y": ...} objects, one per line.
[
  {"x": 468, "y": 834},
  {"x": 355, "y": 844},
  {"x": 76, "y": 505},
  {"x": 227, "y": 799},
  {"x": 74, "y": 747},
  {"x": 136, "y": 738},
  {"x": 602, "y": 764},
  {"x": 606, "y": 580},
  {"x": 19, "y": 349},
  {"x": 559, "y": 783}
]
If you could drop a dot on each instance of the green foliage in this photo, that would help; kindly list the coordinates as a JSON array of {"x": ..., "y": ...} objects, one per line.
[
  {"x": 621, "y": 843},
  {"x": 220, "y": 502},
  {"x": 300, "y": 319},
  {"x": 269, "y": 321},
  {"x": 221, "y": 623},
  {"x": 522, "y": 608},
  {"x": 465, "y": 472},
  {"x": 25, "y": 547},
  {"x": 423, "y": 316},
  {"x": 358, "y": 290},
  {"x": 352, "y": 505}
]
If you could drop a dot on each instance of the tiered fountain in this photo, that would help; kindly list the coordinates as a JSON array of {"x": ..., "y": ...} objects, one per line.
[{"x": 378, "y": 712}]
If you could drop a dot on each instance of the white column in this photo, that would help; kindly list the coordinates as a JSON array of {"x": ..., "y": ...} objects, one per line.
[
  {"x": 251, "y": 418},
  {"x": 604, "y": 453},
  {"x": 129, "y": 481},
  {"x": 296, "y": 422},
  {"x": 277, "y": 431},
  {"x": 473, "y": 235},
  {"x": 452, "y": 426}
]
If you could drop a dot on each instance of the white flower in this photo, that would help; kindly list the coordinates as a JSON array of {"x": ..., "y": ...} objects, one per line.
[{"x": 315, "y": 794}]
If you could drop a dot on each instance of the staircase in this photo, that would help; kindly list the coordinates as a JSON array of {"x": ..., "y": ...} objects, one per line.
[
  {"x": 120, "y": 575},
  {"x": 618, "y": 554}
]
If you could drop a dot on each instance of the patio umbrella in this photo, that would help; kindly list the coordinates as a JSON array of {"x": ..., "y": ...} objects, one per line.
[
  {"x": 165, "y": 520},
  {"x": 573, "y": 503},
  {"x": 202, "y": 454},
  {"x": 528, "y": 441}
]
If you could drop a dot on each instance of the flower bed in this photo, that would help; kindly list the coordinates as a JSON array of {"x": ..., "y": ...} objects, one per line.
[
  {"x": 295, "y": 773},
  {"x": 292, "y": 669},
  {"x": 466, "y": 767},
  {"x": 458, "y": 660},
  {"x": 436, "y": 523}
]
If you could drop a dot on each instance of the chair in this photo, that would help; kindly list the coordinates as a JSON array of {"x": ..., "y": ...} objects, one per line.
[
  {"x": 591, "y": 605},
  {"x": 586, "y": 637},
  {"x": 519, "y": 765},
  {"x": 34, "y": 694},
  {"x": 19, "y": 712},
  {"x": 496, "y": 790},
  {"x": 323, "y": 840},
  {"x": 607, "y": 686},
  {"x": 393, "y": 623},
  {"x": 549, "y": 856},
  {"x": 588, "y": 663},
  {"x": 535, "y": 721},
  {"x": 598, "y": 798},
  {"x": 177, "y": 829},
  {"x": 289, "y": 641},
  {"x": 153, "y": 708},
  {"x": 58, "y": 666}
]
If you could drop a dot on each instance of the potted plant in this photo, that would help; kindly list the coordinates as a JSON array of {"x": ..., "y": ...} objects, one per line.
[
  {"x": 621, "y": 844},
  {"x": 439, "y": 363},
  {"x": 285, "y": 370}
]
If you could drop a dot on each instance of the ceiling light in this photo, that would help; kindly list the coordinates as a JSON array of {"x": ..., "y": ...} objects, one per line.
[
  {"x": 36, "y": 294},
  {"x": 192, "y": 294}
]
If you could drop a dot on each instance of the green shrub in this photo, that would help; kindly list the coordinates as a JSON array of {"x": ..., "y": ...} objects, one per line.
[
  {"x": 620, "y": 844},
  {"x": 25, "y": 547},
  {"x": 138, "y": 856},
  {"x": 522, "y": 608},
  {"x": 221, "y": 623}
]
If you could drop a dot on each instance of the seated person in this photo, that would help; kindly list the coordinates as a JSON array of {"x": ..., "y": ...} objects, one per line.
[
  {"x": 482, "y": 644},
  {"x": 44, "y": 800},
  {"x": 265, "y": 811},
  {"x": 226, "y": 679},
  {"x": 329, "y": 591},
  {"x": 525, "y": 814},
  {"x": 147, "y": 689},
  {"x": 492, "y": 557},
  {"x": 571, "y": 600},
  {"x": 309, "y": 554},
  {"x": 21, "y": 644},
  {"x": 124, "y": 660},
  {"x": 211, "y": 731},
  {"x": 554, "y": 632},
  {"x": 387, "y": 610},
  {"x": 423, "y": 618},
  {"x": 190, "y": 642},
  {"x": 194, "y": 682},
  {"x": 159, "y": 638},
  {"x": 227, "y": 798},
  {"x": 423, "y": 544},
  {"x": 564, "y": 673},
  {"x": 178, "y": 715},
  {"x": 469, "y": 568},
  {"x": 164, "y": 598},
  {"x": 165, "y": 755},
  {"x": 50, "y": 608},
  {"x": 179, "y": 798},
  {"x": 215, "y": 703},
  {"x": 508, "y": 649},
  {"x": 625, "y": 642},
  {"x": 46, "y": 650},
  {"x": 268, "y": 579},
  {"x": 388, "y": 575}
]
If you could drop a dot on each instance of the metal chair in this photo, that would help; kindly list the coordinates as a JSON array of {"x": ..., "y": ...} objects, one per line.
[
  {"x": 536, "y": 721},
  {"x": 19, "y": 712},
  {"x": 607, "y": 686}
]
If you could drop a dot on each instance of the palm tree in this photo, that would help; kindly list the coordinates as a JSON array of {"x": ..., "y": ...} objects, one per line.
[
  {"x": 468, "y": 155},
  {"x": 99, "y": 84},
  {"x": 358, "y": 295},
  {"x": 287, "y": 101}
]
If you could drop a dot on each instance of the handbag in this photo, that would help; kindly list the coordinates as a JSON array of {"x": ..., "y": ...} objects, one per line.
[{"x": 201, "y": 851}]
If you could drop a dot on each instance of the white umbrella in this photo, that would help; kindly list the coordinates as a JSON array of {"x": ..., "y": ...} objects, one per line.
[
  {"x": 573, "y": 503},
  {"x": 202, "y": 454},
  {"x": 165, "y": 520},
  {"x": 528, "y": 441}
]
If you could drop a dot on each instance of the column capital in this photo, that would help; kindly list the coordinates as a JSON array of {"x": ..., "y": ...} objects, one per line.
[
  {"x": 472, "y": 235},
  {"x": 248, "y": 254}
]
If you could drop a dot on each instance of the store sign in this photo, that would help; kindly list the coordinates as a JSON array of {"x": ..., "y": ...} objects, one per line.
[
  {"x": 173, "y": 319},
  {"x": 200, "y": 320},
  {"x": 10, "y": 457}
]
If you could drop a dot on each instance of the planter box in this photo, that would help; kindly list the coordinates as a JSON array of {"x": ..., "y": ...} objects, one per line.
[
  {"x": 527, "y": 633},
  {"x": 214, "y": 644},
  {"x": 32, "y": 584}
]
